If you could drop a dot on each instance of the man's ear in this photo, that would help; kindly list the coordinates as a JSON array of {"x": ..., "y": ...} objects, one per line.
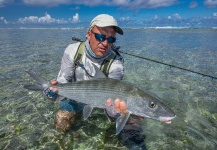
[{"x": 88, "y": 35}]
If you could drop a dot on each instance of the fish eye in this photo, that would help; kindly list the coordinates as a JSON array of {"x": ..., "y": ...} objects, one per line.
[{"x": 152, "y": 104}]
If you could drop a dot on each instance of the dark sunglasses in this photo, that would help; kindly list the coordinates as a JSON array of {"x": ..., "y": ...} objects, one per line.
[{"x": 101, "y": 38}]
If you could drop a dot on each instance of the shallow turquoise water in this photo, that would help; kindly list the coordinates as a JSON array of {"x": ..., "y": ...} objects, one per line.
[{"x": 27, "y": 117}]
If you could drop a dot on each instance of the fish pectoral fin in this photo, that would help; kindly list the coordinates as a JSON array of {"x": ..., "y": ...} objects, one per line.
[
  {"x": 110, "y": 119},
  {"x": 121, "y": 121},
  {"x": 87, "y": 111}
]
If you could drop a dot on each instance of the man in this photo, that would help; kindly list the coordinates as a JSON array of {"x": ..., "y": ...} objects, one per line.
[{"x": 77, "y": 66}]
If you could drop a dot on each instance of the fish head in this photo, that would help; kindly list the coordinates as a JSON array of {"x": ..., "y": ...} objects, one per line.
[{"x": 152, "y": 107}]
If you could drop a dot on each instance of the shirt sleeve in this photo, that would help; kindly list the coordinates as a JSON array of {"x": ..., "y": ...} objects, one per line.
[{"x": 67, "y": 68}]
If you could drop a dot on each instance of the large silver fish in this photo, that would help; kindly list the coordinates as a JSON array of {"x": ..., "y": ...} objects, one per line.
[{"x": 95, "y": 92}]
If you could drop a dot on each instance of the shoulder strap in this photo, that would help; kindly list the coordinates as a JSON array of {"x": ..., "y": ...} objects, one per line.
[
  {"x": 106, "y": 64},
  {"x": 79, "y": 54}
]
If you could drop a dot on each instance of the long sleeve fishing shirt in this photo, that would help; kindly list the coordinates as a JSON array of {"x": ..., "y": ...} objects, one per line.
[{"x": 68, "y": 72}]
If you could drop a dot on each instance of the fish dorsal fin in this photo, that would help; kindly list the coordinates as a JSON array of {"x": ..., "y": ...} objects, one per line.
[
  {"x": 98, "y": 73},
  {"x": 121, "y": 121},
  {"x": 87, "y": 111}
]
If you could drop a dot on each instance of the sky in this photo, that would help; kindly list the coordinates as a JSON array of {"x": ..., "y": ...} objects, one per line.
[{"x": 128, "y": 13}]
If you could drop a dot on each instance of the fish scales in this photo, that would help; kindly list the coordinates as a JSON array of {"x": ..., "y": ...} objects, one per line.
[{"x": 95, "y": 92}]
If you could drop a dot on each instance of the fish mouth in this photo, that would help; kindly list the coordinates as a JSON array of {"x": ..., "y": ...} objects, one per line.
[{"x": 167, "y": 119}]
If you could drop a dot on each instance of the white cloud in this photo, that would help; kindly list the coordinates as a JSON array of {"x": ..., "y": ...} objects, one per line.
[
  {"x": 174, "y": 17},
  {"x": 133, "y": 4},
  {"x": 193, "y": 4},
  {"x": 155, "y": 17},
  {"x": 47, "y": 19},
  {"x": 2, "y": 19},
  {"x": 136, "y": 4},
  {"x": 210, "y": 3},
  {"x": 159, "y": 3},
  {"x": 76, "y": 8},
  {"x": 75, "y": 18},
  {"x": 124, "y": 19},
  {"x": 3, "y": 2},
  {"x": 120, "y": 2},
  {"x": 46, "y": 2},
  {"x": 34, "y": 19},
  {"x": 177, "y": 16},
  {"x": 214, "y": 14}
]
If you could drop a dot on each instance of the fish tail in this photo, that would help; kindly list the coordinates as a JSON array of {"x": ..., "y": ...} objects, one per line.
[{"x": 41, "y": 85}]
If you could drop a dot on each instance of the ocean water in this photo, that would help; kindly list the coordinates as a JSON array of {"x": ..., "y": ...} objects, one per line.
[{"x": 27, "y": 118}]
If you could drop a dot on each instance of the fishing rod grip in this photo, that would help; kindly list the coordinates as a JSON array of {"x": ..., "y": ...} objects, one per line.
[{"x": 77, "y": 39}]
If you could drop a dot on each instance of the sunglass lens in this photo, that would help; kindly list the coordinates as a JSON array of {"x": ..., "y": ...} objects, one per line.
[
  {"x": 100, "y": 37},
  {"x": 111, "y": 40}
]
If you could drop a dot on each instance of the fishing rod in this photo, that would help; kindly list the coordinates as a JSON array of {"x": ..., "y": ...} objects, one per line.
[{"x": 116, "y": 49}]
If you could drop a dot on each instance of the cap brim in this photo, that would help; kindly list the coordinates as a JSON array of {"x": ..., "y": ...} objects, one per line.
[{"x": 119, "y": 30}]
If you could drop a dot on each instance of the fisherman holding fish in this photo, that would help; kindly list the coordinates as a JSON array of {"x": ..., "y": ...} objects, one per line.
[
  {"x": 98, "y": 69},
  {"x": 77, "y": 65}
]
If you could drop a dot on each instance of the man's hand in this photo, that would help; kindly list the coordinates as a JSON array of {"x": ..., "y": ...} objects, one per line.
[
  {"x": 51, "y": 92},
  {"x": 119, "y": 107},
  {"x": 54, "y": 82}
]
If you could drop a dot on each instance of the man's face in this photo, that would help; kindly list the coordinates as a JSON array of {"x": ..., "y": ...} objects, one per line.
[{"x": 100, "y": 49}]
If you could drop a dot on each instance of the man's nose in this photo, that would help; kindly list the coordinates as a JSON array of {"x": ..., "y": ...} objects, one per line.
[{"x": 105, "y": 43}]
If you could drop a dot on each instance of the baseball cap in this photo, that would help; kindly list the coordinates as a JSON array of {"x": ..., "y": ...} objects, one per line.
[{"x": 104, "y": 20}]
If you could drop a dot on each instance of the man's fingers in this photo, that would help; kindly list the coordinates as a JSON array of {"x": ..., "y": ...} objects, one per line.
[
  {"x": 117, "y": 105},
  {"x": 123, "y": 107},
  {"x": 110, "y": 108},
  {"x": 109, "y": 102},
  {"x": 54, "y": 82},
  {"x": 54, "y": 89}
]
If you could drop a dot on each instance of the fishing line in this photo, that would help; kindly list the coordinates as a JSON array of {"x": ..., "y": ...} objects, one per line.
[
  {"x": 116, "y": 49},
  {"x": 171, "y": 66}
]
